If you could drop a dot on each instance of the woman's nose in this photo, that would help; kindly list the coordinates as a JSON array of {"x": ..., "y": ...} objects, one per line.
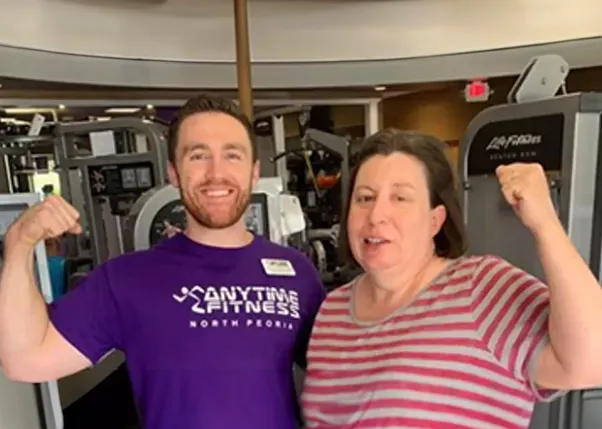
[{"x": 379, "y": 211}]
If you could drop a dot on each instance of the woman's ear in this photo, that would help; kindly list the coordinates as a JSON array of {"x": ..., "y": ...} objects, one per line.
[{"x": 438, "y": 216}]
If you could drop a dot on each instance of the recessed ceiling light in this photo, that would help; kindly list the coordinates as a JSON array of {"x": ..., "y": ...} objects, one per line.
[
  {"x": 122, "y": 110},
  {"x": 21, "y": 110},
  {"x": 61, "y": 106},
  {"x": 380, "y": 88}
]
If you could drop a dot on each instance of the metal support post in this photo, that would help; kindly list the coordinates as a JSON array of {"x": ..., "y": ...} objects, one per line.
[
  {"x": 280, "y": 146},
  {"x": 243, "y": 57},
  {"x": 372, "y": 117}
]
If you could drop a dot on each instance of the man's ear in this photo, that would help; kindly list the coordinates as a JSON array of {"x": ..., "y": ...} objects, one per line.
[
  {"x": 172, "y": 174},
  {"x": 256, "y": 173}
]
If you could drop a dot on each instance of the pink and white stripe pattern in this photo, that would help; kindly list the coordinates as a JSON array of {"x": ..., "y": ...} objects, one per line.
[{"x": 457, "y": 357}]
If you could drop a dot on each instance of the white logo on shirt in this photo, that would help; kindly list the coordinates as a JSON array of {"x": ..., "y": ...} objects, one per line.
[{"x": 241, "y": 306}]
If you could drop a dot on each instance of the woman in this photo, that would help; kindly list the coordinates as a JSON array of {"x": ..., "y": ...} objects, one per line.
[{"x": 429, "y": 338}]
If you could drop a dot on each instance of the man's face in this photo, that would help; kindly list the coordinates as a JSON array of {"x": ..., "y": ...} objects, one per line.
[{"x": 214, "y": 169}]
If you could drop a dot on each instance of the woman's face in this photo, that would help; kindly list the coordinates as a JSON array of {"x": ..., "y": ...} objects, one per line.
[{"x": 391, "y": 223}]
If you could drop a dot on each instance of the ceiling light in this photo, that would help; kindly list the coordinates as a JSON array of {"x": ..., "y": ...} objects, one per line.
[
  {"x": 149, "y": 107},
  {"x": 61, "y": 106},
  {"x": 13, "y": 121},
  {"x": 380, "y": 88},
  {"x": 122, "y": 110},
  {"x": 22, "y": 110}
]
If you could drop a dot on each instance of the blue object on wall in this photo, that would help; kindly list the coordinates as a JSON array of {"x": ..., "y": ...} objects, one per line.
[{"x": 56, "y": 268}]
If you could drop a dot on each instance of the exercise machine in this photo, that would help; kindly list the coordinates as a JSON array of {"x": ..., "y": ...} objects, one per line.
[
  {"x": 26, "y": 150},
  {"x": 271, "y": 213},
  {"x": 318, "y": 173},
  {"x": 316, "y": 167},
  {"x": 21, "y": 156},
  {"x": 563, "y": 134},
  {"x": 105, "y": 186},
  {"x": 25, "y": 405}
]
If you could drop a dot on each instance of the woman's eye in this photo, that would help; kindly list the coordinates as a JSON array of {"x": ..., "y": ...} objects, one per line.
[{"x": 364, "y": 198}]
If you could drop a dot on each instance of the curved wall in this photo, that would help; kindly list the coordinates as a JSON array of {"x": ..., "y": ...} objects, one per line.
[
  {"x": 190, "y": 43},
  {"x": 293, "y": 31}
]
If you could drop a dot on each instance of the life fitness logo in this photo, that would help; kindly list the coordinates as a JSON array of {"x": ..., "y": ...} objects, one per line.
[{"x": 500, "y": 143}]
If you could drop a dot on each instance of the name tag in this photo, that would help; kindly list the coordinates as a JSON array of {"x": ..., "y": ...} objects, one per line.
[{"x": 278, "y": 267}]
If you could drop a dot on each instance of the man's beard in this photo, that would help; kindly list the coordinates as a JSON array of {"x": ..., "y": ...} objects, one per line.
[{"x": 210, "y": 220}]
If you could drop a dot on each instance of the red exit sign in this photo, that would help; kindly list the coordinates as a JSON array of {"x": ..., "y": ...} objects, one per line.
[{"x": 477, "y": 91}]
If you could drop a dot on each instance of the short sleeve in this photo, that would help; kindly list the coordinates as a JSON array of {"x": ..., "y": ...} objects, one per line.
[
  {"x": 87, "y": 316},
  {"x": 316, "y": 293},
  {"x": 511, "y": 310}
]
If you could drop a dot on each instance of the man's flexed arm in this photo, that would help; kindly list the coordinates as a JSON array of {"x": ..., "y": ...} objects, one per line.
[{"x": 30, "y": 347}]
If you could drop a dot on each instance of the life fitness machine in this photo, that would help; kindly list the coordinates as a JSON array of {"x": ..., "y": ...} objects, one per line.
[
  {"x": 25, "y": 405},
  {"x": 103, "y": 188},
  {"x": 563, "y": 134}
]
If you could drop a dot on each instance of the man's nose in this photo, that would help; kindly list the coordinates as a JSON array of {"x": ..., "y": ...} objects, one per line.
[{"x": 214, "y": 168}]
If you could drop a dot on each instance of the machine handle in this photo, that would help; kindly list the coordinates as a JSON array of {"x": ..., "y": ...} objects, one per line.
[
  {"x": 56, "y": 408},
  {"x": 286, "y": 153},
  {"x": 53, "y": 398}
]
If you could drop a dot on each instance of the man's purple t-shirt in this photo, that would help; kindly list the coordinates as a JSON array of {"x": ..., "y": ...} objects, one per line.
[{"x": 210, "y": 334}]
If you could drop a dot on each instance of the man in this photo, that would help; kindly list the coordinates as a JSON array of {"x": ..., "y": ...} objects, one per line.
[{"x": 210, "y": 320}]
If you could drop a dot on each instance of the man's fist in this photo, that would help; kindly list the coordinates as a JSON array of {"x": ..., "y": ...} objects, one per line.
[{"x": 51, "y": 218}]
